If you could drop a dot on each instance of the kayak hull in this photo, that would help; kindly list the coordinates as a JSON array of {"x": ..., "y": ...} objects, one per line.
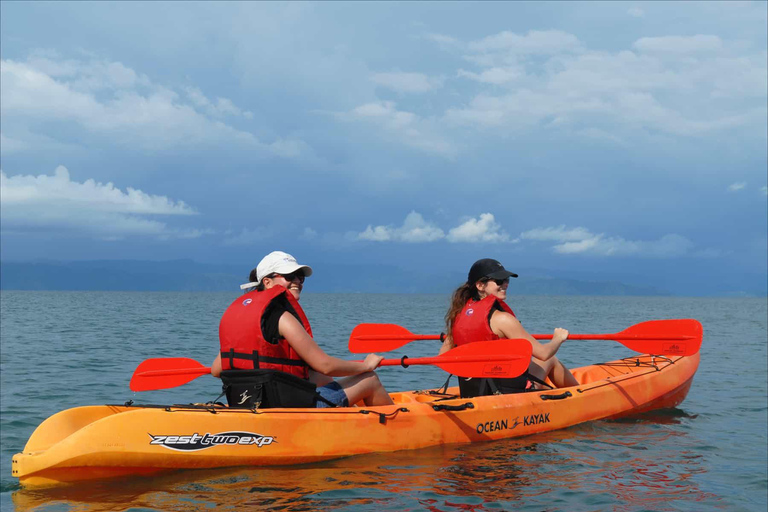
[{"x": 108, "y": 441}]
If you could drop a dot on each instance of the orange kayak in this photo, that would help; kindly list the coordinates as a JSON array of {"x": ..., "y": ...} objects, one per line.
[{"x": 108, "y": 441}]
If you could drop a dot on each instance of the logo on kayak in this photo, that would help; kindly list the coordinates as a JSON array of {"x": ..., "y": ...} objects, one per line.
[
  {"x": 530, "y": 419},
  {"x": 491, "y": 426},
  {"x": 247, "y": 301},
  {"x": 197, "y": 442},
  {"x": 470, "y": 312}
]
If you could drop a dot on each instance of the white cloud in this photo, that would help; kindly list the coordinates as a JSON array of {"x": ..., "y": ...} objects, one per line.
[
  {"x": 309, "y": 234},
  {"x": 110, "y": 99},
  {"x": 406, "y": 82},
  {"x": 667, "y": 246},
  {"x": 495, "y": 75},
  {"x": 559, "y": 234},
  {"x": 10, "y": 145},
  {"x": 442, "y": 39},
  {"x": 52, "y": 203},
  {"x": 247, "y": 236},
  {"x": 534, "y": 42},
  {"x": 636, "y": 12},
  {"x": 414, "y": 229},
  {"x": 669, "y": 84},
  {"x": 483, "y": 229},
  {"x": 735, "y": 187},
  {"x": 580, "y": 240},
  {"x": 222, "y": 107},
  {"x": 764, "y": 190},
  {"x": 679, "y": 44},
  {"x": 406, "y": 127}
]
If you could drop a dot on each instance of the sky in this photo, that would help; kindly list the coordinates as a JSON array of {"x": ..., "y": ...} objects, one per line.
[{"x": 580, "y": 137}]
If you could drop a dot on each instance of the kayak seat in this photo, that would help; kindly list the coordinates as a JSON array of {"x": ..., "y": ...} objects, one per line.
[
  {"x": 264, "y": 389},
  {"x": 473, "y": 387}
]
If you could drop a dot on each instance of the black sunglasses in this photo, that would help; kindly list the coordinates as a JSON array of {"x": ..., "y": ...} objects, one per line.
[
  {"x": 499, "y": 282},
  {"x": 292, "y": 276}
]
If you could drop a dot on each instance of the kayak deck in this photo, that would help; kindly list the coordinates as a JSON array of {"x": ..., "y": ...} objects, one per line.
[{"x": 109, "y": 441}]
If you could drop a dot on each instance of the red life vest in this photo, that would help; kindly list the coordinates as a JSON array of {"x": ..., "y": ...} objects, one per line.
[
  {"x": 473, "y": 321},
  {"x": 242, "y": 342}
]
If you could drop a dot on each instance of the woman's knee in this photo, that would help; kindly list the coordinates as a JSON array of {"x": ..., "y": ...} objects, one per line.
[{"x": 372, "y": 380}]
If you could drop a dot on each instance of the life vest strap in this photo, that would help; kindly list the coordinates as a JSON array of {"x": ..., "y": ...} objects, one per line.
[{"x": 256, "y": 358}]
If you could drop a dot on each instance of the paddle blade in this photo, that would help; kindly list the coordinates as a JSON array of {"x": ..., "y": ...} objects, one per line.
[
  {"x": 166, "y": 372},
  {"x": 680, "y": 337},
  {"x": 497, "y": 359},
  {"x": 366, "y": 338}
]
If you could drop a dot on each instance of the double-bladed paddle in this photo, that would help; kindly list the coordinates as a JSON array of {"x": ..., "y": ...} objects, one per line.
[
  {"x": 659, "y": 337},
  {"x": 499, "y": 358}
]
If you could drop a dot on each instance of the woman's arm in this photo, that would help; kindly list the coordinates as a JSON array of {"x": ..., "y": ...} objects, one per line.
[
  {"x": 216, "y": 366},
  {"x": 447, "y": 345},
  {"x": 507, "y": 326},
  {"x": 292, "y": 330}
]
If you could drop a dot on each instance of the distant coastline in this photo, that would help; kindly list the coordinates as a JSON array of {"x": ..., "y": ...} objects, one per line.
[{"x": 188, "y": 275}]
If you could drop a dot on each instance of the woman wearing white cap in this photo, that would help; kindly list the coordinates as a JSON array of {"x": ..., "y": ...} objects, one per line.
[
  {"x": 268, "y": 357},
  {"x": 478, "y": 313}
]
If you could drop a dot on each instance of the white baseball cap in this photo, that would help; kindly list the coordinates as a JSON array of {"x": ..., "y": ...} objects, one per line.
[{"x": 276, "y": 262}]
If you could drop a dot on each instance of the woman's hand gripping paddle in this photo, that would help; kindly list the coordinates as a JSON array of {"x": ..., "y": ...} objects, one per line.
[
  {"x": 658, "y": 337},
  {"x": 500, "y": 358}
]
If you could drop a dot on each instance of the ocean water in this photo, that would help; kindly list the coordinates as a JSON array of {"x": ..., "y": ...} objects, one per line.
[{"x": 66, "y": 349}]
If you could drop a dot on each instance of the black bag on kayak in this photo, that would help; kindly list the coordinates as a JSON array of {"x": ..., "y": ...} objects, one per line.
[
  {"x": 483, "y": 387},
  {"x": 263, "y": 389}
]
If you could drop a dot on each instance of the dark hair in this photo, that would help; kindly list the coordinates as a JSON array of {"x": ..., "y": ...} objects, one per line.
[
  {"x": 252, "y": 278},
  {"x": 460, "y": 296}
]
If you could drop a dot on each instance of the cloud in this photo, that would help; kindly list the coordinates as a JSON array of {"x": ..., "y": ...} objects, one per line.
[
  {"x": 495, "y": 75},
  {"x": 406, "y": 82},
  {"x": 52, "y": 203},
  {"x": 222, "y": 107},
  {"x": 10, "y": 145},
  {"x": 679, "y": 44},
  {"x": 483, "y": 229},
  {"x": 670, "y": 84},
  {"x": 534, "y": 42},
  {"x": 414, "y": 230},
  {"x": 246, "y": 236},
  {"x": 764, "y": 190},
  {"x": 559, "y": 233},
  {"x": 109, "y": 99},
  {"x": 636, "y": 12},
  {"x": 580, "y": 240},
  {"x": 309, "y": 234},
  {"x": 406, "y": 127},
  {"x": 442, "y": 39},
  {"x": 735, "y": 187}
]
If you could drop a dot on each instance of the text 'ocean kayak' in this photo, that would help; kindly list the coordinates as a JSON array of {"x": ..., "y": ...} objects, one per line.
[{"x": 105, "y": 441}]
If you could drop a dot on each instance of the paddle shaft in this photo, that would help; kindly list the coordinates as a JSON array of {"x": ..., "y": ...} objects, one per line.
[
  {"x": 615, "y": 337},
  {"x": 500, "y": 358},
  {"x": 175, "y": 371},
  {"x": 664, "y": 337},
  {"x": 404, "y": 361}
]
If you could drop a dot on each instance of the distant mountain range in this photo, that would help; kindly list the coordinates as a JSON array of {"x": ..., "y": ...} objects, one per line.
[{"x": 187, "y": 275}]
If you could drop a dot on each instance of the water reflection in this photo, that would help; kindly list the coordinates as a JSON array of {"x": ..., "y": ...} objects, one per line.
[{"x": 642, "y": 464}]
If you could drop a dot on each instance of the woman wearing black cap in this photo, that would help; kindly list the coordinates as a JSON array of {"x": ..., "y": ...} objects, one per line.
[{"x": 478, "y": 313}]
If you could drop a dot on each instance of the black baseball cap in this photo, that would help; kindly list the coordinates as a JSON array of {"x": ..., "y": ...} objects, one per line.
[{"x": 489, "y": 268}]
